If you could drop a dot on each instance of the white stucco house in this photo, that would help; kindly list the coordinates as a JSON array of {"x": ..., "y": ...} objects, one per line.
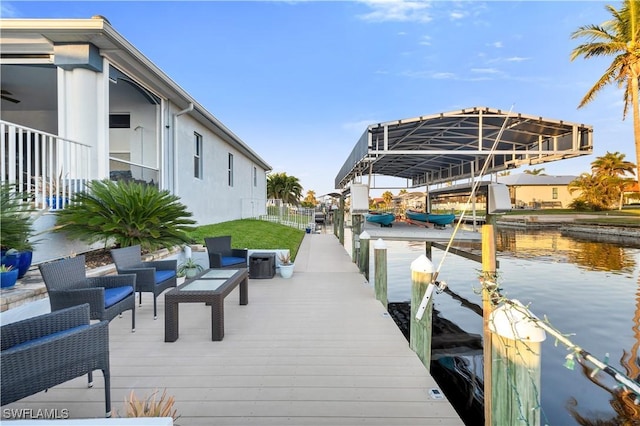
[{"x": 79, "y": 102}]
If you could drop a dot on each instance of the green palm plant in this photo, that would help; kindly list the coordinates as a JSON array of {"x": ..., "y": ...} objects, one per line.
[
  {"x": 126, "y": 214},
  {"x": 16, "y": 222},
  {"x": 285, "y": 188},
  {"x": 619, "y": 38},
  {"x": 593, "y": 191}
]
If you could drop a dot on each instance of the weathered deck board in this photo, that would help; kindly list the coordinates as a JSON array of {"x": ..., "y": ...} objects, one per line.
[{"x": 314, "y": 349}]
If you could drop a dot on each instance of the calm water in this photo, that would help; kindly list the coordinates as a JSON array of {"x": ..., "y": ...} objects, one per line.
[{"x": 587, "y": 290}]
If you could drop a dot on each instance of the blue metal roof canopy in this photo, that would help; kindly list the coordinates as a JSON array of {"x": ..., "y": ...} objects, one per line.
[{"x": 455, "y": 145}]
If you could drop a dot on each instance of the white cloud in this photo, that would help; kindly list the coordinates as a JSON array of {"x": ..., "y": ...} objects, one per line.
[
  {"x": 425, "y": 41},
  {"x": 8, "y": 11},
  {"x": 516, "y": 59},
  {"x": 485, "y": 70},
  {"x": 443, "y": 75},
  {"x": 397, "y": 11},
  {"x": 497, "y": 44},
  {"x": 456, "y": 14}
]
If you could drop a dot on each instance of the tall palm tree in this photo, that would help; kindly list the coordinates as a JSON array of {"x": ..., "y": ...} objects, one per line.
[
  {"x": 618, "y": 37},
  {"x": 285, "y": 188}
]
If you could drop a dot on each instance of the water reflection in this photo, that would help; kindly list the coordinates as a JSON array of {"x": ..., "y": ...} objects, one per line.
[
  {"x": 553, "y": 247},
  {"x": 588, "y": 289}
]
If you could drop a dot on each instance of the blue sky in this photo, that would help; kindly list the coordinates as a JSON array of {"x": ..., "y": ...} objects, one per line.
[{"x": 299, "y": 81}]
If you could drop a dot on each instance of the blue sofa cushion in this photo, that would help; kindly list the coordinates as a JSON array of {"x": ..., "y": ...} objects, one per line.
[
  {"x": 116, "y": 294},
  {"x": 164, "y": 275},
  {"x": 48, "y": 337},
  {"x": 228, "y": 261}
]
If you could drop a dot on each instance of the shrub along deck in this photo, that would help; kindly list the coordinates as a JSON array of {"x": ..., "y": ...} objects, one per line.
[{"x": 317, "y": 348}]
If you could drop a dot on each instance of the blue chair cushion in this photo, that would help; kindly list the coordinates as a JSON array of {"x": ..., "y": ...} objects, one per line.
[
  {"x": 48, "y": 337},
  {"x": 228, "y": 261},
  {"x": 164, "y": 275},
  {"x": 116, "y": 294}
]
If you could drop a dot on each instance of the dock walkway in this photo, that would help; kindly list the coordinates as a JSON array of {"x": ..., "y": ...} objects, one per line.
[{"x": 315, "y": 349}]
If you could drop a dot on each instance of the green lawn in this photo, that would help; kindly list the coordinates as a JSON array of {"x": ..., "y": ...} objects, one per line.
[{"x": 253, "y": 234}]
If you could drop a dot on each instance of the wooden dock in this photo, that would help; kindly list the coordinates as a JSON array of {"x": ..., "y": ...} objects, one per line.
[{"x": 315, "y": 349}]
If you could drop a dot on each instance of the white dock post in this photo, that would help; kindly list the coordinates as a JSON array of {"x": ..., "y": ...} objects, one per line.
[
  {"x": 380, "y": 264},
  {"x": 420, "y": 330}
]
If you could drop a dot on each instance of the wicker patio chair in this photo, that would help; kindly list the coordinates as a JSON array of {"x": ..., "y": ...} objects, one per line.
[
  {"x": 108, "y": 295},
  {"x": 152, "y": 277},
  {"x": 221, "y": 255},
  {"x": 45, "y": 351}
]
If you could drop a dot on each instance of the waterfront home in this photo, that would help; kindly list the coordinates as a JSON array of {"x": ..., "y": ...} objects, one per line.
[
  {"x": 539, "y": 191},
  {"x": 80, "y": 102}
]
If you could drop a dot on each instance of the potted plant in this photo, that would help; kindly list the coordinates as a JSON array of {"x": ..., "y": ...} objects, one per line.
[
  {"x": 54, "y": 191},
  {"x": 16, "y": 228},
  {"x": 286, "y": 265},
  {"x": 189, "y": 268},
  {"x": 8, "y": 276}
]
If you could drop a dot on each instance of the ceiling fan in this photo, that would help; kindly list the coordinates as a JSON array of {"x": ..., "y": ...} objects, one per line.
[{"x": 8, "y": 96}]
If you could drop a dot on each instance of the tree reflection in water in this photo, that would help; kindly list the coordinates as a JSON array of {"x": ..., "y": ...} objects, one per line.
[{"x": 623, "y": 401}]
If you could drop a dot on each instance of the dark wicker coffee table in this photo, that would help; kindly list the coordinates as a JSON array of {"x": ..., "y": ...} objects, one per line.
[{"x": 210, "y": 287}]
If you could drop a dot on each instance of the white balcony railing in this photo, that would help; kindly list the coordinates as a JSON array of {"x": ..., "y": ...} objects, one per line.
[{"x": 49, "y": 168}]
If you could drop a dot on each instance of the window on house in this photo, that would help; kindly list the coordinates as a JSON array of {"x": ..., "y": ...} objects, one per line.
[
  {"x": 119, "y": 121},
  {"x": 230, "y": 169},
  {"x": 197, "y": 156},
  {"x": 255, "y": 176},
  {"x": 554, "y": 193}
]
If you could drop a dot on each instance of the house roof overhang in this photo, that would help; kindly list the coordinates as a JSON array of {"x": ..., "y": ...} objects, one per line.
[
  {"x": 36, "y": 38},
  {"x": 450, "y": 146}
]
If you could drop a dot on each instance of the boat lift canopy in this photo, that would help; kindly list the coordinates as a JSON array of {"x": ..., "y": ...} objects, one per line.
[{"x": 451, "y": 146}]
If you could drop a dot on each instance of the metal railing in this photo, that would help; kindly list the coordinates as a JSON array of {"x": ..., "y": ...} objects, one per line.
[{"x": 47, "y": 167}]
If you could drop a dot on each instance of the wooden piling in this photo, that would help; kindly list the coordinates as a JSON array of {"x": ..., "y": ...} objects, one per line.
[
  {"x": 380, "y": 275},
  {"x": 516, "y": 354},
  {"x": 356, "y": 227},
  {"x": 420, "y": 330},
  {"x": 489, "y": 278},
  {"x": 364, "y": 254}
]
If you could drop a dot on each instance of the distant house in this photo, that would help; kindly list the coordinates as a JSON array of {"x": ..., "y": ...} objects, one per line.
[
  {"x": 79, "y": 102},
  {"x": 539, "y": 191}
]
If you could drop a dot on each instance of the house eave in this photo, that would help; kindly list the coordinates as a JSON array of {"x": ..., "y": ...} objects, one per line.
[{"x": 18, "y": 33}]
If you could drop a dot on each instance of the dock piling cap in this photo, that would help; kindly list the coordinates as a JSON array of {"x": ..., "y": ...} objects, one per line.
[
  {"x": 380, "y": 244},
  {"x": 422, "y": 264},
  {"x": 513, "y": 322}
]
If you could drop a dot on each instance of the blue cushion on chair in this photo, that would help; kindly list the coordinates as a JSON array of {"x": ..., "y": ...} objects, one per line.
[
  {"x": 48, "y": 337},
  {"x": 228, "y": 261},
  {"x": 116, "y": 294},
  {"x": 164, "y": 275}
]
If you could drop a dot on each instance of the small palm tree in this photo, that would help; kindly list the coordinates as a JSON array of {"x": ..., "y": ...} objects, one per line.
[
  {"x": 615, "y": 168},
  {"x": 618, "y": 37},
  {"x": 127, "y": 213},
  {"x": 592, "y": 189},
  {"x": 535, "y": 172}
]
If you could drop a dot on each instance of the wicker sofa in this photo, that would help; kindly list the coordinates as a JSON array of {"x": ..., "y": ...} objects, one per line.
[{"x": 44, "y": 351}]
